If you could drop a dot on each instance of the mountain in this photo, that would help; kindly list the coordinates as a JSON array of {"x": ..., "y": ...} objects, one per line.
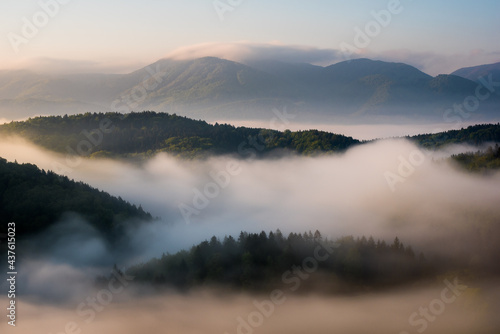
[
  {"x": 357, "y": 69},
  {"x": 209, "y": 88},
  {"x": 36, "y": 200},
  {"x": 24, "y": 93},
  {"x": 475, "y": 72},
  {"x": 213, "y": 83}
]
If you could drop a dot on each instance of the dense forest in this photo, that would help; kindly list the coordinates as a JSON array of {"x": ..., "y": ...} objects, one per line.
[
  {"x": 472, "y": 135},
  {"x": 261, "y": 260},
  {"x": 480, "y": 161},
  {"x": 146, "y": 133},
  {"x": 141, "y": 135},
  {"x": 36, "y": 199}
]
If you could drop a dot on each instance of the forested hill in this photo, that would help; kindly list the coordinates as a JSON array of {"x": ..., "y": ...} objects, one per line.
[
  {"x": 472, "y": 135},
  {"x": 146, "y": 133},
  {"x": 35, "y": 199},
  {"x": 141, "y": 135},
  {"x": 480, "y": 161},
  {"x": 259, "y": 260}
]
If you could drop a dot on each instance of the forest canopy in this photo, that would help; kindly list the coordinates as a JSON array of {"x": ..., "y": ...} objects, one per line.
[
  {"x": 147, "y": 133},
  {"x": 142, "y": 135},
  {"x": 472, "y": 135},
  {"x": 36, "y": 199},
  {"x": 259, "y": 260}
]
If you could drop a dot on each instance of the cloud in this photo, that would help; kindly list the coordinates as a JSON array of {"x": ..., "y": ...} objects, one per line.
[
  {"x": 48, "y": 282},
  {"x": 57, "y": 66},
  {"x": 248, "y": 52},
  {"x": 212, "y": 312},
  {"x": 340, "y": 195},
  {"x": 432, "y": 210}
]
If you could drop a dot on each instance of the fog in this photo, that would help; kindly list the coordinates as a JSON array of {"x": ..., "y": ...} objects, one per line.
[
  {"x": 248, "y": 52},
  {"x": 210, "y": 312},
  {"x": 429, "y": 62},
  {"x": 433, "y": 206},
  {"x": 58, "y": 66},
  {"x": 372, "y": 189}
]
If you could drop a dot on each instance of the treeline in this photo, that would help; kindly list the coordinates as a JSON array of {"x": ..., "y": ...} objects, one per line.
[
  {"x": 146, "y": 133},
  {"x": 141, "y": 135},
  {"x": 36, "y": 199},
  {"x": 479, "y": 161},
  {"x": 472, "y": 135},
  {"x": 261, "y": 260}
]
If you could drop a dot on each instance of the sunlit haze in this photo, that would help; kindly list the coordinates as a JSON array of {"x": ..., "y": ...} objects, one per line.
[
  {"x": 121, "y": 36},
  {"x": 249, "y": 166}
]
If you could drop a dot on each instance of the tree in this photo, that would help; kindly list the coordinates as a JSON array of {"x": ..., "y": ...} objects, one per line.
[
  {"x": 397, "y": 245},
  {"x": 317, "y": 236}
]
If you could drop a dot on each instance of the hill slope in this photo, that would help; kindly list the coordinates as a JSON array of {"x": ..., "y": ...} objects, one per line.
[
  {"x": 475, "y": 72},
  {"x": 35, "y": 200},
  {"x": 144, "y": 134},
  {"x": 472, "y": 135},
  {"x": 480, "y": 161}
]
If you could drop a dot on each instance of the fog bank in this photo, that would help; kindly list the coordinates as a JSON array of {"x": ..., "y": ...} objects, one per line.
[
  {"x": 206, "y": 312},
  {"x": 384, "y": 189}
]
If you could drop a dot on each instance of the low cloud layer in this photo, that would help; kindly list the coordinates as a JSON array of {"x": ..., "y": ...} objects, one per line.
[
  {"x": 57, "y": 66},
  {"x": 248, "y": 52},
  {"x": 384, "y": 189},
  {"x": 434, "y": 207},
  {"x": 210, "y": 312},
  {"x": 428, "y": 62}
]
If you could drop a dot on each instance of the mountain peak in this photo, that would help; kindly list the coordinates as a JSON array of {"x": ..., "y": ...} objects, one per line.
[
  {"x": 475, "y": 72},
  {"x": 356, "y": 69}
]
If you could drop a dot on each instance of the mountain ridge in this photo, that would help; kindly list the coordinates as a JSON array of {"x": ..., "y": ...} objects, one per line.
[
  {"x": 475, "y": 72},
  {"x": 213, "y": 88}
]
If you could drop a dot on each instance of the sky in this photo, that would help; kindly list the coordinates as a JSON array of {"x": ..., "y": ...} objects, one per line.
[{"x": 118, "y": 36}]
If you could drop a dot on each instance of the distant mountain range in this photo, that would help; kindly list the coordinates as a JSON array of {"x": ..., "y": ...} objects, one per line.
[{"x": 213, "y": 89}]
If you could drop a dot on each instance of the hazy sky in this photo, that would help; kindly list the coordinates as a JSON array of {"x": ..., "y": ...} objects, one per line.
[{"x": 121, "y": 35}]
